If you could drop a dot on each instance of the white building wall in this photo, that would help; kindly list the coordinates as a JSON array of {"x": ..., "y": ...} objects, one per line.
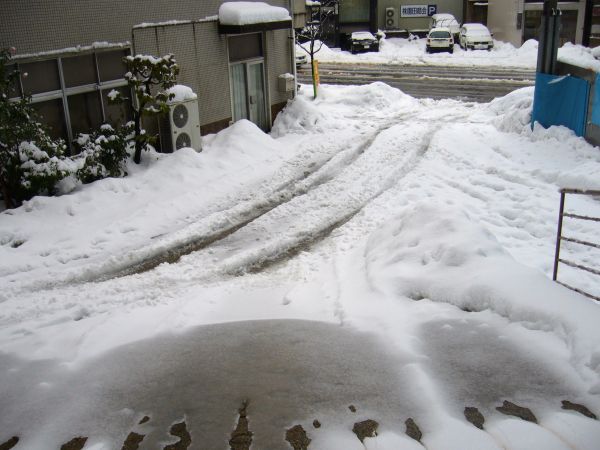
[{"x": 502, "y": 20}]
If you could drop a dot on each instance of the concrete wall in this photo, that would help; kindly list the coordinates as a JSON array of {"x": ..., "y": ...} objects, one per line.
[
  {"x": 42, "y": 25},
  {"x": 454, "y": 7},
  {"x": 278, "y": 62},
  {"x": 202, "y": 56},
  {"x": 502, "y": 20}
]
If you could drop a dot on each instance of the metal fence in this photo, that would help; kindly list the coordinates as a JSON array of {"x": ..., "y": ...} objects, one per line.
[{"x": 560, "y": 238}]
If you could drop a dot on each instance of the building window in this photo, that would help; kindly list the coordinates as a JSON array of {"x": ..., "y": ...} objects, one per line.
[
  {"x": 595, "y": 24},
  {"x": 52, "y": 114},
  {"x": 355, "y": 11},
  {"x": 245, "y": 46},
  {"x": 70, "y": 92},
  {"x": 568, "y": 27},
  {"x": 40, "y": 76}
]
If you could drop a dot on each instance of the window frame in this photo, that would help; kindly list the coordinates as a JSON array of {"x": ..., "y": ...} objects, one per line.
[
  {"x": 65, "y": 92},
  {"x": 246, "y": 62}
]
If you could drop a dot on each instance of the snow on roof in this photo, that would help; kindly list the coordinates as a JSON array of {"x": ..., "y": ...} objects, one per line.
[
  {"x": 174, "y": 22},
  {"x": 102, "y": 45},
  {"x": 247, "y": 13}
]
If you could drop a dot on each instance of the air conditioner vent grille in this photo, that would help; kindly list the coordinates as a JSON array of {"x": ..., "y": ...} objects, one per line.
[
  {"x": 183, "y": 140},
  {"x": 180, "y": 116}
]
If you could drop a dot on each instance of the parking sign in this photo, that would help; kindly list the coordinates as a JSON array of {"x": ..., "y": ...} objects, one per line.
[{"x": 431, "y": 10}]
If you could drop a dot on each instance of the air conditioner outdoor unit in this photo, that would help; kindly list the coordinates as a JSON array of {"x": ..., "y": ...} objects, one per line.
[
  {"x": 184, "y": 122},
  {"x": 391, "y": 18}
]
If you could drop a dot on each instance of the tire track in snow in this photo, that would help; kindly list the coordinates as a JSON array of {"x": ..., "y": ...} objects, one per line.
[
  {"x": 230, "y": 221},
  {"x": 222, "y": 223},
  {"x": 306, "y": 219}
]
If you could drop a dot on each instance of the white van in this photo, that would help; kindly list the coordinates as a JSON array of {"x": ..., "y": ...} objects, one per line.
[{"x": 444, "y": 20}]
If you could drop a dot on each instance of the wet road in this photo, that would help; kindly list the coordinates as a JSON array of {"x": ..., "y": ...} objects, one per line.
[{"x": 479, "y": 84}]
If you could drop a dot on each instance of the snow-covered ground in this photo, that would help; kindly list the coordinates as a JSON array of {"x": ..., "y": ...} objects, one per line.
[
  {"x": 404, "y": 51},
  {"x": 375, "y": 250}
]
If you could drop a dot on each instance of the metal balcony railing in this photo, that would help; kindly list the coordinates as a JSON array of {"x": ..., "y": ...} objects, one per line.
[{"x": 560, "y": 238}]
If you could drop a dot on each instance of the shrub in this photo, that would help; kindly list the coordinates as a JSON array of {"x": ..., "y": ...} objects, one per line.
[
  {"x": 104, "y": 153},
  {"x": 149, "y": 78},
  {"x": 31, "y": 163}
]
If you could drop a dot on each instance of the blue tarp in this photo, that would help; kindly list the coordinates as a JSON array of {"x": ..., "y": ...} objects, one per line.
[
  {"x": 596, "y": 103},
  {"x": 561, "y": 100}
]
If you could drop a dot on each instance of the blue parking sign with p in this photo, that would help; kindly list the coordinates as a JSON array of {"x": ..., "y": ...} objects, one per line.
[{"x": 431, "y": 10}]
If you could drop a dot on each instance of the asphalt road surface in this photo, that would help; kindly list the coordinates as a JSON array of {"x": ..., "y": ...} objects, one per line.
[{"x": 479, "y": 84}]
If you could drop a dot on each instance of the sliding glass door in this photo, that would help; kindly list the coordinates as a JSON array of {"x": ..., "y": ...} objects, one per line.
[{"x": 248, "y": 92}]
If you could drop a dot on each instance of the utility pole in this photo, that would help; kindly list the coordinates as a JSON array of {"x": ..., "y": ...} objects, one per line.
[{"x": 549, "y": 37}]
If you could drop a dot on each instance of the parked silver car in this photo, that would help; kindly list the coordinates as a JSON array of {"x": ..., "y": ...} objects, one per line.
[
  {"x": 475, "y": 36},
  {"x": 440, "y": 39}
]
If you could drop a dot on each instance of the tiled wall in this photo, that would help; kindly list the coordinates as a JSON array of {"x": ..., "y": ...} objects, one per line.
[{"x": 42, "y": 25}]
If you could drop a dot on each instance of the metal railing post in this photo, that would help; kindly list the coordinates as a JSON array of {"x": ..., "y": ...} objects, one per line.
[{"x": 559, "y": 234}]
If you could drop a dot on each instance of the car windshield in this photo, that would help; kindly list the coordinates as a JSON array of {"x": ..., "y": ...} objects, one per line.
[{"x": 439, "y": 34}]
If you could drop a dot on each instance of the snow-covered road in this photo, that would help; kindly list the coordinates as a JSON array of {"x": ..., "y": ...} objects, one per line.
[{"x": 376, "y": 250}]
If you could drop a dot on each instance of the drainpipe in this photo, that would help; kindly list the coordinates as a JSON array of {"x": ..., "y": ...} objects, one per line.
[
  {"x": 549, "y": 37},
  {"x": 587, "y": 23},
  {"x": 293, "y": 49}
]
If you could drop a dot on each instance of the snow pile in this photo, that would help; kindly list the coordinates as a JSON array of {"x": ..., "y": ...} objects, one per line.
[
  {"x": 371, "y": 98},
  {"x": 585, "y": 177},
  {"x": 181, "y": 93},
  {"x": 242, "y": 142},
  {"x": 247, "y": 13},
  {"x": 504, "y": 54},
  {"x": 578, "y": 55},
  {"x": 376, "y": 100},
  {"x": 514, "y": 111},
  {"x": 129, "y": 213},
  {"x": 440, "y": 253},
  {"x": 300, "y": 116},
  {"x": 412, "y": 51}
]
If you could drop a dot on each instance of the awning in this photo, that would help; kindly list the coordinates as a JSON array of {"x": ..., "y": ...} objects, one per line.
[{"x": 250, "y": 17}]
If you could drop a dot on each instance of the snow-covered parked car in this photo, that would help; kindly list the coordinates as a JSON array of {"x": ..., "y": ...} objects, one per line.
[
  {"x": 440, "y": 39},
  {"x": 475, "y": 36},
  {"x": 363, "y": 41},
  {"x": 444, "y": 20}
]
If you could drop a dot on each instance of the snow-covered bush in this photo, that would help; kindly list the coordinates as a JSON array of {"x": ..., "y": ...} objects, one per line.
[
  {"x": 104, "y": 152},
  {"x": 148, "y": 78},
  {"x": 31, "y": 163}
]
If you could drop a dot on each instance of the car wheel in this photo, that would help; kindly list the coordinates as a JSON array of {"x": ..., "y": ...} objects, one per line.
[
  {"x": 451, "y": 50},
  {"x": 427, "y": 50}
]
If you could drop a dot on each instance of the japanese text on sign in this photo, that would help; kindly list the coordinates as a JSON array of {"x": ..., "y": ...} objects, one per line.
[{"x": 418, "y": 10}]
